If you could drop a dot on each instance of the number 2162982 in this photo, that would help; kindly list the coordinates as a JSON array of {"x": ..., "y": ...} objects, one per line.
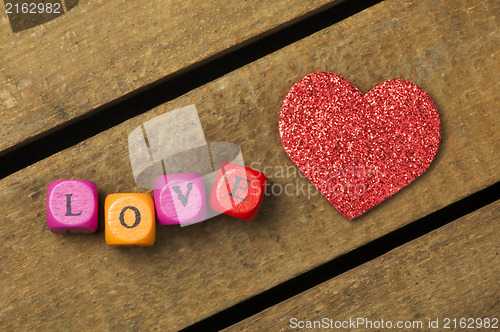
[{"x": 33, "y": 8}]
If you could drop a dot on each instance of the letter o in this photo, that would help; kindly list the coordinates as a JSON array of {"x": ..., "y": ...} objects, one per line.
[{"x": 137, "y": 217}]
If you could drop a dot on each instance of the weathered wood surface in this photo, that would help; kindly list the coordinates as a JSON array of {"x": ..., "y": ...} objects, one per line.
[
  {"x": 453, "y": 272},
  {"x": 102, "y": 50},
  {"x": 49, "y": 281}
]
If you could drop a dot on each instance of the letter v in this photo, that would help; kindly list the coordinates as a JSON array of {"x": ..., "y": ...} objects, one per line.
[{"x": 183, "y": 198}]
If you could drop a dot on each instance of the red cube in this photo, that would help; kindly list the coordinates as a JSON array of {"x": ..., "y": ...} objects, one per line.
[{"x": 238, "y": 191}]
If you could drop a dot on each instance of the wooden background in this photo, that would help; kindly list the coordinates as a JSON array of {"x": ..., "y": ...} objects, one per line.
[{"x": 101, "y": 52}]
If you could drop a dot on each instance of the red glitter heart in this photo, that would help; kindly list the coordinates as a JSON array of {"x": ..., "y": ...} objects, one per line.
[{"x": 358, "y": 149}]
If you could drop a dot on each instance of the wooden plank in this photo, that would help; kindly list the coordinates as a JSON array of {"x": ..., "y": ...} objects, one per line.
[
  {"x": 102, "y": 50},
  {"x": 447, "y": 47},
  {"x": 453, "y": 272}
]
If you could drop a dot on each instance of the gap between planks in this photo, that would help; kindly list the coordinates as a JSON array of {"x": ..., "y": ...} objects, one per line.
[
  {"x": 145, "y": 98},
  {"x": 349, "y": 261}
]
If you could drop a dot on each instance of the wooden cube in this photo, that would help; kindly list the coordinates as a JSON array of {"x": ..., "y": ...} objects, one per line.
[
  {"x": 238, "y": 191},
  {"x": 129, "y": 220},
  {"x": 72, "y": 206},
  {"x": 180, "y": 198}
]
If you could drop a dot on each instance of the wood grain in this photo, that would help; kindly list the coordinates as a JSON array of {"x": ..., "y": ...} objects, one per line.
[
  {"x": 72, "y": 282},
  {"x": 453, "y": 272},
  {"x": 100, "y": 51}
]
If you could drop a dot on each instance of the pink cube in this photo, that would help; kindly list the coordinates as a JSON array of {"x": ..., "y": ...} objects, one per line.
[
  {"x": 72, "y": 206},
  {"x": 180, "y": 198}
]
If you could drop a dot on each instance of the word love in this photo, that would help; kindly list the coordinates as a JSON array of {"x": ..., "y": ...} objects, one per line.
[{"x": 130, "y": 218}]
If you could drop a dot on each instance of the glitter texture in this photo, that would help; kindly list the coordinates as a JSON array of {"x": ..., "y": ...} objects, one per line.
[{"x": 358, "y": 149}]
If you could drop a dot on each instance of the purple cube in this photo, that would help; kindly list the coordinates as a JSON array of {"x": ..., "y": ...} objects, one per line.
[
  {"x": 180, "y": 198},
  {"x": 72, "y": 206}
]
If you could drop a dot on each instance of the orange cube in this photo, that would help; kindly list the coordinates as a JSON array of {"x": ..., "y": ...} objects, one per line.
[{"x": 129, "y": 220}]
